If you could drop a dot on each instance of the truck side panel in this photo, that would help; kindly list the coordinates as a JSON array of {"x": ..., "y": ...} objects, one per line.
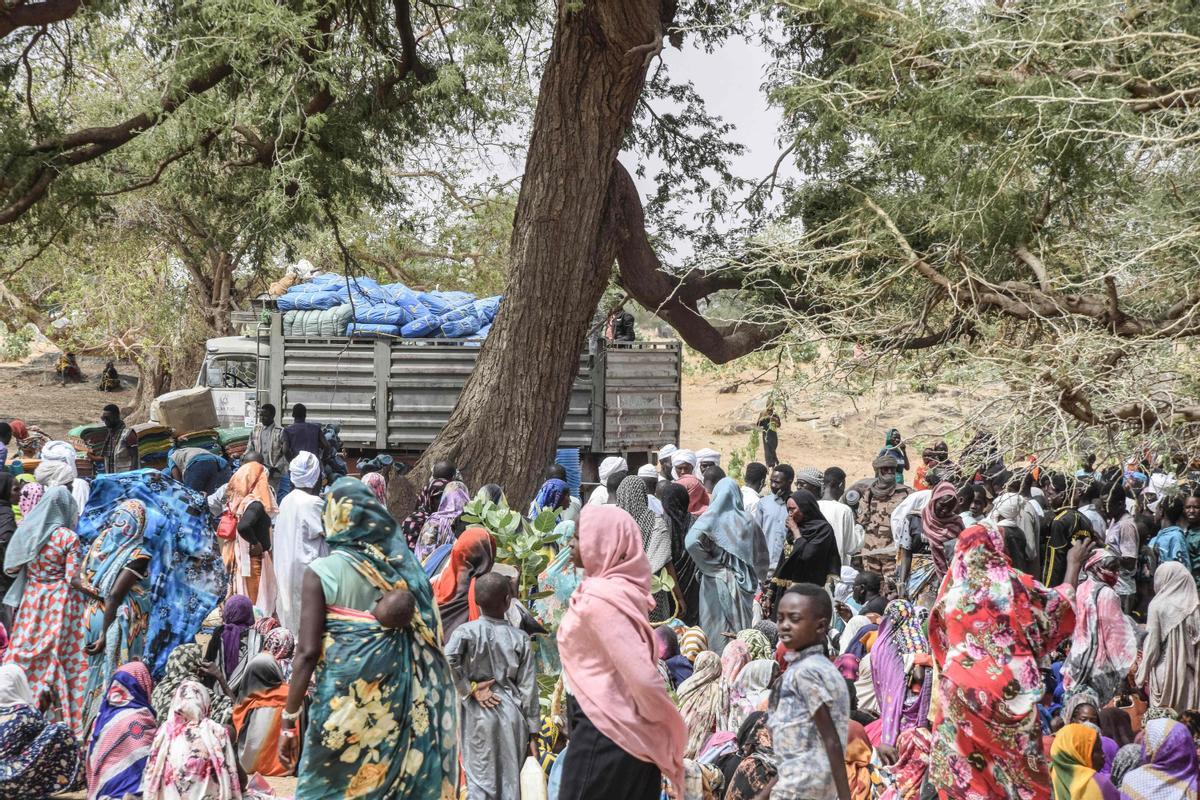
[
  {"x": 641, "y": 395},
  {"x": 427, "y": 378}
]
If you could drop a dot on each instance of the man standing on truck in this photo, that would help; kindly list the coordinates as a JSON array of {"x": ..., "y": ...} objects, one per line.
[
  {"x": 303, "y": 436},
  {"x": 622, "y": 326},
  {"x": 120, "y": 445},
  {"x": 267, "y": 438}
]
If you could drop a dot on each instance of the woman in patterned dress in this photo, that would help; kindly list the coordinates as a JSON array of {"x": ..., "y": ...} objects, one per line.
[
  {"x": 115, "y": 580},
  {"x": 192, "y": 757},
  {"x": 46, "y": 640},
  {"x": 383, "y": 718},
  {"x": 989, "y": 628},
  {"x": 37, "y": 758}
]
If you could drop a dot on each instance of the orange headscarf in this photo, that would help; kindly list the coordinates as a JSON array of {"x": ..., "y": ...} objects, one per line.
[
  {"x": 248, "y": 484},
  {"x": 473, "y": 554},
  {"x": 858, "y": 762}
]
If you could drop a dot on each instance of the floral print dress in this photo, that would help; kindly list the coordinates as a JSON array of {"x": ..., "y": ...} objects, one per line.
[
  {"x": 989, "y": 629},
  {"x": 37, "y": 758},
  {"x": 192, "y": 757},
  {"x": 47, "y": 639}
]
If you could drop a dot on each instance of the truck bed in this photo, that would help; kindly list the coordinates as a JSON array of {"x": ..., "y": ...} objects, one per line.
[{"x": 396, "y": 394}]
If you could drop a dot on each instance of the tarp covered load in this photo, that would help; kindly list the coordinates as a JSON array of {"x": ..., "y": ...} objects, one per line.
[
  {"x": 187, "y": 576},
  {"x": 330, "y": 305}
]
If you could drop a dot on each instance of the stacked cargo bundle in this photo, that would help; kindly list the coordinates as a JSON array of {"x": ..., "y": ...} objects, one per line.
[
  {"x": 330, "y": 305},
  {"x": 154, "y": 440},
  {"x": 206, "y": 439},
  {"x": 234, "y": 441},
  {"x": 90, "y": 439}
]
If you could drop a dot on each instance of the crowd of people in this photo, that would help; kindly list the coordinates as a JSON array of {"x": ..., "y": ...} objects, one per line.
[{"x": 987, "y": 631}]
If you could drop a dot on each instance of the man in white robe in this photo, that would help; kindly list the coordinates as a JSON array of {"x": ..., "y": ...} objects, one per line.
[{"x": 299, "y": 536}]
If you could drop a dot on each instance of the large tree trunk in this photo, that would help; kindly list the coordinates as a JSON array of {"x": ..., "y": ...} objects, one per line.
[{"x": 508, "y": 417}]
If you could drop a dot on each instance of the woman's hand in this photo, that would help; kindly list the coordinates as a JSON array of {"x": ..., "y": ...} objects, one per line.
[
  {"x": 887, "y": 755},
  {"x": 793, "y": 528},
  {"x": 288, "y": 746},
  {"x": 1077, "y": 556},
  {"x": 94, "y": 648},
  {"x": 209, "y": 669}
]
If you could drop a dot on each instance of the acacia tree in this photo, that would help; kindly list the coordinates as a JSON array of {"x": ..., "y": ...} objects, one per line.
[{"x": 992, "y": 196}]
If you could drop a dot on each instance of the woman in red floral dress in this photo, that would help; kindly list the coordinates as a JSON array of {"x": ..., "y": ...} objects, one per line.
[{"x": 989, "y": 631}]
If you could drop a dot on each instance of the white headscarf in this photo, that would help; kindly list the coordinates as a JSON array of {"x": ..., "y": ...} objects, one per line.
[
  {"x": 81, "y": 490},
  {"x": 666, "y": 451},
  {"x": 611, "y": 465},
  {"x": 844, "y": 586},
  {"x": 1011, "y": 510},
  {"x": 58, "y": 465},
  {"x": 305, "y": 470},
  {"x": 682, "y": 457},
  {"x": 647, "y": 471},
  {"x": 14, "y": 687},
  {"x": 708, "y": 454}
]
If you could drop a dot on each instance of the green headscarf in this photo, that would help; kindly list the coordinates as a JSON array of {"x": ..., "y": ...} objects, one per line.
[
  {"x": 384, "y": 711},
  {"x": 360, "y": 527}
]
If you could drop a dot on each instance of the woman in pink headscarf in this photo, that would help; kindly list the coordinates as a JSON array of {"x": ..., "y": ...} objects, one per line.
[
  {"x": 941, "y": 524},
  {"x": 625, "y": 731}
]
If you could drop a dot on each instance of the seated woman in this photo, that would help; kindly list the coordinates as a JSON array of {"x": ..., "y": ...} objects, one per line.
[
  {"x": 110, "y": 381},
  {"x": 1075, "y": 760},
  {"x": 37, "y": 758},
  {"x": 756, "y": 765},
  {"x": 258, "y": 716},
  {"x": 68, "y": 369},
  {"x": 192, "y": 755},
  {"x": 234, "y": 642},
  {"x": 121, "y": 739}
]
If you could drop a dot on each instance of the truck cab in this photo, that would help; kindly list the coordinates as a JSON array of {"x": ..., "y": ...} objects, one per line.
[{"x": 230, "y": 370}]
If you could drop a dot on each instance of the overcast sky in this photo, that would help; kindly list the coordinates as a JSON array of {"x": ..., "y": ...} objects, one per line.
[{"x": 729, "y": 80}]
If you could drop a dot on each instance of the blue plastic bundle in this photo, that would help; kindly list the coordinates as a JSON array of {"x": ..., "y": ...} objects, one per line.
[
  {"x": 459, "y": 322},
  {"x": 421, "y": 326},
  {"x": 487, "y": 308},
  {"x": 407, "y": 299},
  {"x": 568, "y": 459},
  {"x": 381, "y": 314},
  {"x": 308, "y": 301},
  {"x": 364, "y": 291},
  {"x": 362, "y": 330},
  {"x": 440, "y": 303}
]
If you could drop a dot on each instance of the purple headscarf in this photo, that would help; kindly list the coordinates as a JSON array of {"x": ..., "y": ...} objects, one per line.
[
  {"x": 1110, "y": 748},
  {"x": 238, "y": 617},
  {"x": 31, "y": 494},
  {"x": 439, "y": 528},
  {"x": 1170, "y": 764},
  {"x": 900, "y": 635}
]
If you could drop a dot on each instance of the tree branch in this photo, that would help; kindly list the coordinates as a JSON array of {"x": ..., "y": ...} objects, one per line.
[
  {"x": 671, "y": 298},
  {"x": 27, "y": 15},
  {"x": 91, "y": 143}
]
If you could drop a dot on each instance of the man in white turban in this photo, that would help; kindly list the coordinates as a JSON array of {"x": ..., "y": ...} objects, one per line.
[
  {"x": 685, "y": 459},
  {"x": 299, "y": 536},
  {"x": 614, "y": 468},
  {"x": 664, "y": 460},
  {"x": 708, "y": 458},
  {"x": 57, "y": 468},
  {"x": 650, "y": 476}
]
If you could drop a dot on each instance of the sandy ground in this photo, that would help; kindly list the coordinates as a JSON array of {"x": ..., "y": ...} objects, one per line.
[
  {"x": 31, "y": 391},
  {"x": 814, "y": 434}
]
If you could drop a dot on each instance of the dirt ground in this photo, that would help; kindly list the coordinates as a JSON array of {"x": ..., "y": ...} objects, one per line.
[
  {"x": 813, "y": 434},
  {"x": 31, "y": 391}
]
